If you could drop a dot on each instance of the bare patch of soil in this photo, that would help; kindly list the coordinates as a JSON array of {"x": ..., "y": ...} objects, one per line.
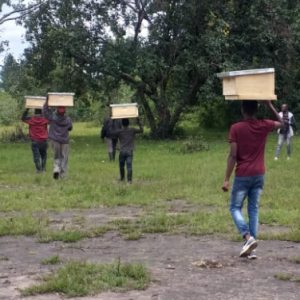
[
  {"x": 172, "y": 260},
  {"x": 182, "y": 267}
]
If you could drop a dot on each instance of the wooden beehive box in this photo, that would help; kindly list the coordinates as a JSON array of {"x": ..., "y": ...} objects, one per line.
[
  {"x": 34, "y": 102},
  {"x": 122, "y": 111},
  {"x": 61, "y": 99},
  {"x": 258, "y": 84}
]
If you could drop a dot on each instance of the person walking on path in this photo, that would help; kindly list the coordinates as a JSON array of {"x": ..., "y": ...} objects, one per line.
[
  {"x": 60, "y": 126},
  {"x": 38, "y": 134},
  {"x": 247, "y": 147},
  {"x": 126, "y": 137},
  {"x": 111, "y": 139},
  {"x": 285, "y": 133}
]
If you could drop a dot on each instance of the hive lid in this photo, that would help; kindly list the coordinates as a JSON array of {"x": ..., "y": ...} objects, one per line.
[
  {"x": 123, "y": 104},
  {"x": 35, "y": 97},
  {"x": 62, "y": 94},
  {"x": 246, "y": 72}
]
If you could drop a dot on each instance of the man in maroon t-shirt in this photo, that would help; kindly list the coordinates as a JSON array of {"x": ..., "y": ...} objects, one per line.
[
  {"x": 38, "y": 133},
  {"x": 247, "y": 149}
]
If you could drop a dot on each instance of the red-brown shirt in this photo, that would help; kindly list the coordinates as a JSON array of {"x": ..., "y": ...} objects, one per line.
[
  {"x": 250, "y": 136},
  {"x": 37, "y": 128}
]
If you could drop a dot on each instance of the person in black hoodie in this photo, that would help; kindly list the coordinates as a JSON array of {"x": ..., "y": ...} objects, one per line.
[
  {"x": 60, "y": 125},
  {"x": 111, "y": 139}
]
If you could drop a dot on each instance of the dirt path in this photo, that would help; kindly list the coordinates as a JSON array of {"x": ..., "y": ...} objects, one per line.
[{"x": 170, "y": 260}]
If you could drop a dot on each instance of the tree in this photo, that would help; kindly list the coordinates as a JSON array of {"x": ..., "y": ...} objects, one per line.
[
  {"x": 173, "y": 66},
  {"x": 17, "y": 13}
]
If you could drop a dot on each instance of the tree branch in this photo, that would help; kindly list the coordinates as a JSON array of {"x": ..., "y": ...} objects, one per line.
[{"x": 23, "y": 12}]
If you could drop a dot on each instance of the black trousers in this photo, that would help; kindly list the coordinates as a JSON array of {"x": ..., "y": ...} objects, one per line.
[
  {"x": 126, "y": 157},
  {"x": 39, "y": 151}
]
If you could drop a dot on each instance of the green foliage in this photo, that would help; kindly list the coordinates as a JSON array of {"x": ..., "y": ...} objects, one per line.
[
  {"x": 195, "y": 144},
  {"x": 78, "y": 279},
  {"x": 54, "y": 260},
  {"x": 9, "y": 112},
  {"x": 14, "y": 134},
  {"x": 285, "y": 277},
  {"x": 168, "y": 69},
  {"x": 23, "y": 225}
]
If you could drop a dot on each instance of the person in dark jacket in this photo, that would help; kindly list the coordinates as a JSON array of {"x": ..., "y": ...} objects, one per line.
[
  {"x": 38, "y": 134},
  {"x": 60, "y": 126},
  {"x": 111, "y": 139},
  {"x": 126, "y": 137}
]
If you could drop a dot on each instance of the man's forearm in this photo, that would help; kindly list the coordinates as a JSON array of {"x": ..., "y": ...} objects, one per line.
[
  {"x": 275, "y": 113},
  {"x": 47, "y": 111},
  {"x": 231, "y": 161},
  {"x": 24, "y": 115}
]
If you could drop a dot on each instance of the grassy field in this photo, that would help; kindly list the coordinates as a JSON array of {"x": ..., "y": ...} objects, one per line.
[
  {"x": 172, "y": 193},
  {"x": 160, "y": 174}
]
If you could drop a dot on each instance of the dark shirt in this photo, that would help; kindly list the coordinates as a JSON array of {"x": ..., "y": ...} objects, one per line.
[
  {"x": 286, "y": 128},
  {"x": 60, "y": 125},
  {"x": 250, "y": 136},
  {"x": 115, "y": 124},
  {"x": 126, "y": 137}
]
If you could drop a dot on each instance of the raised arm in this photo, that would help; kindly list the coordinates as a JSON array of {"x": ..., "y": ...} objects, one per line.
[
  {"x": 278, "y": 120},
  {"x": 47, "y": 111},
  {"x": 141, "y": 128},
  {"x": 24, "y": 115}
]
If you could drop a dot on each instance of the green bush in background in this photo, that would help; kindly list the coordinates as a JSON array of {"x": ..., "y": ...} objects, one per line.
[{"x": 9, "y": 111}]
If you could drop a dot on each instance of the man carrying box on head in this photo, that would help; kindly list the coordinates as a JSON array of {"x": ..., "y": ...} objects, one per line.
[
  {"x": 126, "y": 138},
  {"x": 38, "y": 133},
  {"x": 247, "y": 148},
  {"x": 60, "y": 125}
]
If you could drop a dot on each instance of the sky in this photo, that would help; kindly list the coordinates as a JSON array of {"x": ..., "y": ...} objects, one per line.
[{"x": 14, "y": 34}]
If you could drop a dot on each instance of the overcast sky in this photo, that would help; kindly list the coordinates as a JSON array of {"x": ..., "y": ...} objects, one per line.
[{"x": 14, "y": 34}]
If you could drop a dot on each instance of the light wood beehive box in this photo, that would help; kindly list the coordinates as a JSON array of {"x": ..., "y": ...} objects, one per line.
[
  {"x": 34, "y": 102},
  {"x": 61, "y": 99},
  {"x": 258, "y": 84},
  {"x": 122, "y": 111}
]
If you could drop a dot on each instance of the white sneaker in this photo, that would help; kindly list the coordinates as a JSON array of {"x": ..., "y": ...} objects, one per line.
[
  {"x": 249, "y": 246},
  {"x": 276, "y": 158},
  {"x": 252, "y": 255}
]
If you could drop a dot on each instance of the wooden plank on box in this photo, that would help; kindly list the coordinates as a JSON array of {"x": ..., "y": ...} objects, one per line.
[
  {"x": 36, "y": 102},
  {"x": 126, "y": 110},
  {"x": 61, "y": 99},
  {"x": 258, "y": 84}
]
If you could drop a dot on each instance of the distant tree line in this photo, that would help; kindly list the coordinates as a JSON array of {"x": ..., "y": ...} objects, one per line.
[{"x": 162, "y": 54}]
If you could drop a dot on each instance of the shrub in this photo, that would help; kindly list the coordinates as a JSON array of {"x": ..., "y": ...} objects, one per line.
[
  {"x": 195, "y": 144},
  {"x": 15, "y": 134},
  {"x": 8, "y": 109}
]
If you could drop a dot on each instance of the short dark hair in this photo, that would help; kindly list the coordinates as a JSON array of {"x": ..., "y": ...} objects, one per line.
[
  {"x": 37, "y": 111},
  {"x": 125, "y": 122},
  {"x": 250, "y": 107}
]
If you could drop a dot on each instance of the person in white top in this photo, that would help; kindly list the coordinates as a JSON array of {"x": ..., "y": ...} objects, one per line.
[{"x": 286, "y": 133}]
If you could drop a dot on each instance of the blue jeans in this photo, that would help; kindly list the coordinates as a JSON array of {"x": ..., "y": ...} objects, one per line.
[{"x": 242, "y": 187}]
